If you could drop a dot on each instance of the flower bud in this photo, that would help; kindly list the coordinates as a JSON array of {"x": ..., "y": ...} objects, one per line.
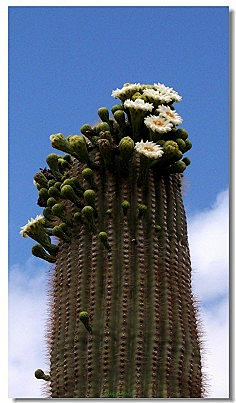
[
  {"x": 102, "y": 127},
  {"x": 52, "y": 161},
  {"x": 142, "y": 209},
  {"x": 60, "y": 233},
  {"x": 39, "y": 374},
  {"x": 38, "y": 251},
  {"x": 79, "y": 146},
  {"x": 68, "y": 193},
  {"x": 87, "y": 214},
  {"x": 41, "y": 180},
  {"x": 186, "y": 160},
  {"x": 188, "y": 145},
  {"x": 103, "y": 113},
  {"x": 54, "y": 192},
  {"x": 89, "y": 197},
  {"x": 51, "y": 201},
  {"x": 104, "y": 239},
  {"x": 87, "y": 174},
  {"x": 126, "y": 147},
  {"x": 59, "y": 211},
  {"x": 60, "y": 142},
  {"x": 85, "y": 319},
  {"x": 116, "y": 107},
  {"x": 181, "y": 133}
]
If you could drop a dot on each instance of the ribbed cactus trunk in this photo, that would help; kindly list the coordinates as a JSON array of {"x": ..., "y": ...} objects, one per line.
[
  {"x": 123, "y": 321},
  {"x": 144, "y": 340}
]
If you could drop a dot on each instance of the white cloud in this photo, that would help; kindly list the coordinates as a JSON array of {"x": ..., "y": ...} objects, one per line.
[
  {"x": 208, "y": 238},
  {"x": 209, "y": 246},
  {"x": 27, "y": 320}
]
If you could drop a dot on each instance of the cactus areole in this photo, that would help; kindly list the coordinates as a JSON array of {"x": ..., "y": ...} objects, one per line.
[{"x": 123, "y": 320}]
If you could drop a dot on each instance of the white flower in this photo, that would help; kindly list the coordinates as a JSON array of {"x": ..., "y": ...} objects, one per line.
[
  {"x": 149, "y": 149},
  {"x": 157, "y": 95},
  {"x": 126, "y": 89},
  {"x": 169, "y": 114},
  {"x": 158, "y": 124},
  {"x": 31, "y": 225},
  {"x": 168, "y": 91},
  {"x": 138, "y": 104}
]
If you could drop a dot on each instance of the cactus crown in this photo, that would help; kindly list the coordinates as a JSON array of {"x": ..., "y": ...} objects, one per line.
[{"x": 143, "y": 127}]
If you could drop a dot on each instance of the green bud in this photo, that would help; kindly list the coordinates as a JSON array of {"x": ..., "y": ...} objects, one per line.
[
  {"x": 74, "y": 182},
  {"x": 142, "y": 209},
  {"x": 60, "y": 142},
  {"x": 85, "y": 129},
  {"x": 38, "y": 251},
  {"x": 77, "y": 216},
  {"x": 60, "y": 233},
  {"x": 67, "y": 157},
  {"x": 109, "y": 212},
  {"x": 87, "y": 214},
  {"x": 105, "y": 149},
  {"x": 103, "y": 113},
  {"x": 41, "y": 180},
  {"x": 51, "y": 201},
  {"x": 52, "y": 161},
  {"x": 85, "y": 319},
  {"x": 39, "y": 374},
  {"x": 87, "y": 174},
  {"x": 106, "y": 135},
  {"x": 51, "y": 182},
  {"x": 79, "y": 146},
  {"x": 126, "y": 147},
  {"x": 102, "y": 127},
  {"x": 68, "y": 193},
  {"x": 57, "y": 185},
  {"x": 125, "y": 205},
  {"x": 188, "y": 145},
  {"x": 59, "y": 211},
  {"x": 177, "y": 167},
  {"x": 43, "y": 193},
  {"x": 89, "y": 197},
  {"x": 157, "y": 228},
  {"x": 104, "y": 239},
  {"x": 181, "y": 144},
  {"x": 47, "y": 212},
  {"x": 120, "y": 118},
  {"x": 186, "y": 160},
  {"x": 54, "y": 192},
  {"x": 63, "y": 164},
  {"x": 181, "y": 133},
  {"x": 116, "y": 107}
]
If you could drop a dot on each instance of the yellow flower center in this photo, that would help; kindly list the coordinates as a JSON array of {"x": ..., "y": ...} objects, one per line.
[
  {"x": 170, "y": 114},
  {"x": 148, "y": 148},
  {"x": 158, "y": 123}
]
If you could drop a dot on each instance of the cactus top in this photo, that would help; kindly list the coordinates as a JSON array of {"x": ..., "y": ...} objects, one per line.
[{"x": 143, "y": 133}]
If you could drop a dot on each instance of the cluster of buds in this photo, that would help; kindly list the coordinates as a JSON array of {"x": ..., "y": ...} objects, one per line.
[{"x": 143, "y": 128}]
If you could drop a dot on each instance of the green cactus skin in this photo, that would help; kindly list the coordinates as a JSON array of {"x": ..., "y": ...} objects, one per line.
[{"x": 123, "y": 320}]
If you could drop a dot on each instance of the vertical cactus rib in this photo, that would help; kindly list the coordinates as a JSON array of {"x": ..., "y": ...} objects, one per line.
[
  {"x": 98, "y": 316},
  {"x": 134, "y": 281},
  {"x": 106, "y": 358},
  {"x": 123, "y": 319},
  {"x": 177, "y": 314},
  {"x": 117, "y": 272},
  {"x": 124, "y": 309},
  {"x": 165, "y": 297},
  {"x": 192, "y": 344}
]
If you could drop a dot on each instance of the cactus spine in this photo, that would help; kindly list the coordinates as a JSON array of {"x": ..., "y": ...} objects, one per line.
[{"x": 123, "y": 318}]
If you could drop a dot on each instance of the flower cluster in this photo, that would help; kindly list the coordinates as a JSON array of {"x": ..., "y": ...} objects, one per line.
[{"x": 156, "y": 98}]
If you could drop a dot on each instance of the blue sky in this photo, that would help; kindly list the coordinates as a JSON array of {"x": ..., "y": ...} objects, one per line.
[{"x": 64, "y": 63}]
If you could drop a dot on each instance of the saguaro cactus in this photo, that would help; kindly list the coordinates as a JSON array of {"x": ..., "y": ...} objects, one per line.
[{"x": 123, "y": 321}]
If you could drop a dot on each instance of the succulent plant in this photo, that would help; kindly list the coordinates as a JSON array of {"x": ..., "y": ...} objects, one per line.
[{"x": 123, "y": 321}]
